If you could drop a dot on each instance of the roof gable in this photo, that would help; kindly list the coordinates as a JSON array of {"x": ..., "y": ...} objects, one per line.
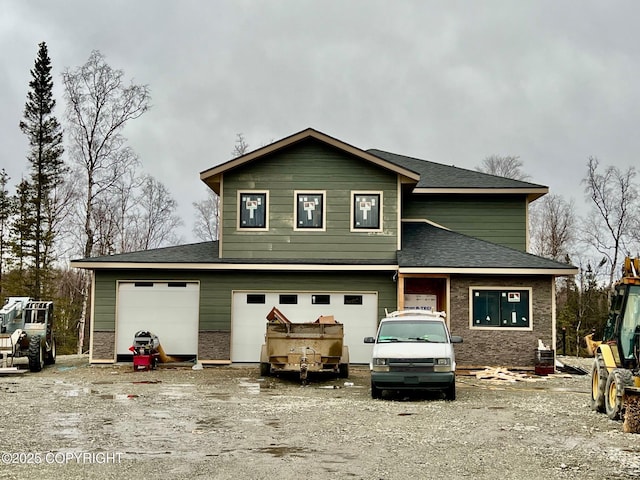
[{"x": 212, "y": 175}]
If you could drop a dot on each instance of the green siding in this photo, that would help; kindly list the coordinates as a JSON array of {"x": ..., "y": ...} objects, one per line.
[
  {"x": 216, "y": 290},
  {"x": 498, "y": 219},
  {"x": 314, "y": 167}
]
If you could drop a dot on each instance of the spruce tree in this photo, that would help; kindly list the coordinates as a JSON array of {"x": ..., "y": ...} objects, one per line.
[
  {"x": 6, "y": 211},
  {"x": 46, "y": 164}
]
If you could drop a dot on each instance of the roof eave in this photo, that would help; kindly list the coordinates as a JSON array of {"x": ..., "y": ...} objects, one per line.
[
  {"x": 559, "y": 272},
  {"x": 229, "y": 266},
  {"x": 321, "y": 267},
  {"x": 531, "y": 193}
]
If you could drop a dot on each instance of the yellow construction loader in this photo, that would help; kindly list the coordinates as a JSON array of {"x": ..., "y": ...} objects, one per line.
[{"x": 616, "y": 366}]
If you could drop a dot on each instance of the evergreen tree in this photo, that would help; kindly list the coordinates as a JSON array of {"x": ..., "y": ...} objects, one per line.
[
  {"x": 46, "y": 164},
  {"x": 21, "y": 240},
  {"x": 6, "y": 211}
]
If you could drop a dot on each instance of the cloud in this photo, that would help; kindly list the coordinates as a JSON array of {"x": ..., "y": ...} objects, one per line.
[{"x": 452, "y": 82}]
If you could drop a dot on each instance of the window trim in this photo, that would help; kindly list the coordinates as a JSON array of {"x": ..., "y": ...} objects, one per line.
[
  {"x": 239, "y": 227},
  {"x": 296, "y": 194},
  {"x": 352, "y": 213},
  {"x": 501, "y": 288}
]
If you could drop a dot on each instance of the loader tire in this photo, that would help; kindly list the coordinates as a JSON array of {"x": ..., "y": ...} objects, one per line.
[
  {"x": 616, "y": 382},
  {"x": 36, "y": 354},
  {"x": 599, "y": 376},
  {"x": 265, "y": 369},
  {"x": 50, "y": 356},
  {"x": 343, "y": 370}
]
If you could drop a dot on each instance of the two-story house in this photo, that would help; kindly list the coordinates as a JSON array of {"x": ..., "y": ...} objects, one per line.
[{"x": 315, "y": 226}]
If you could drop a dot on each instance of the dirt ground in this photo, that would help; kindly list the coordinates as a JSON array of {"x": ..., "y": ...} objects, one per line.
[{"x": 76, "y": 421}]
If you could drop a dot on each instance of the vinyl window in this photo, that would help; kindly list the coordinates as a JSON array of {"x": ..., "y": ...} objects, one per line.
[
  {"x": 366, "y": 211},
  {"x": 309, "y": 211},
  {"x": 498, "y": 308},
  {"x": 253, "y": 210}
]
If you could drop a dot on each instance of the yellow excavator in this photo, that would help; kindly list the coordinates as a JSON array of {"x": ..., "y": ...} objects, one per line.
[{"x": 616, "y": 365}]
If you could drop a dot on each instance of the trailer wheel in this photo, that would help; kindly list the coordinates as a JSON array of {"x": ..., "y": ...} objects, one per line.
[
  {"x": 617, "y": 380},
  {"x": 599, "y": 376},
  {"x": 375, "y": 391},
  {"x": 50, "y": 357},
  {"x": 265, "y": 369},
  {"x": 343, "y": 370},
  {"x": 36, "y": 354}
]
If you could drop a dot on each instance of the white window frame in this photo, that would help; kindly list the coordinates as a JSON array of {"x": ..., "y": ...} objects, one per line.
[
  {"x": 352, "y": 213},
  {"x": 322, "y": 193},
  {"x": 239, "y": 227},
  {"x": 473, "y": 326}
]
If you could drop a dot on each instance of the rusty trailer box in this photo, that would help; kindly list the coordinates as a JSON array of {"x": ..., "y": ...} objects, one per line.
[{"x": 304, "y": 347}]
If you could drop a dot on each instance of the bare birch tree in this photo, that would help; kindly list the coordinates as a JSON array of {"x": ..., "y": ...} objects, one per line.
[
  {"x": 614, "y": 201},
  {"x": 99, "y": 105},
  {"x": 207, "y": 213},
  {"x": 509, "y": 166},
  {"x": 206, "y": 224},
  {"x": 156, "y": 215},
  {"x": 552, "y": 227}
]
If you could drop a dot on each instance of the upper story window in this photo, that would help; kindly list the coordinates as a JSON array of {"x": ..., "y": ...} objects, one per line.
[
  {"x": 366, "y": 211},
  {"x": 309, "y": 211},
  {"x": 253, "y": 210}
]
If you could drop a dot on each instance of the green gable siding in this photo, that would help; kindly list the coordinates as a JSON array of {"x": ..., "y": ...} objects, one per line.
[
  {"x": 500, "y": 219},
  {"x": 216, "y": 290},
  {"x": 309, "y": 166}
]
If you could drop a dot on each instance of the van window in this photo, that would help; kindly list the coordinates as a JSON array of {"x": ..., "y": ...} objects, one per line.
[{"x": 411, "y": 331}]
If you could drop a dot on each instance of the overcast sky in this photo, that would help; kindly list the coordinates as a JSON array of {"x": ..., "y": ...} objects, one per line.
[{"x": 448, "y": 81}]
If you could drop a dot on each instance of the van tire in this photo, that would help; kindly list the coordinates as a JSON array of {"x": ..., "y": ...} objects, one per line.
[
  {"x": 375, "y": 391},
  {"x": 450, "y": 392}
]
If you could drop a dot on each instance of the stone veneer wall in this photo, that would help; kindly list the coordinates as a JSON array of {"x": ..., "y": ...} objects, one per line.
[
  {"x": 214, "y": 345},
  {"x": 103, "y": 345},
  {"x": 495, "y": 348},
  {"x": 211, "y": 345}
]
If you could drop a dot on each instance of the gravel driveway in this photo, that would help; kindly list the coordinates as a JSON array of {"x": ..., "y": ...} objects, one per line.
[{"x": 76, "y": 421}]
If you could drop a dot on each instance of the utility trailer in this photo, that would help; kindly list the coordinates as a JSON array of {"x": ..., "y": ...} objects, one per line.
[{"x": 303, "y": 347}]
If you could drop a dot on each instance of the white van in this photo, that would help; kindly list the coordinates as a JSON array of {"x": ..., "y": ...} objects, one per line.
[{"x": 413, "y": 351}]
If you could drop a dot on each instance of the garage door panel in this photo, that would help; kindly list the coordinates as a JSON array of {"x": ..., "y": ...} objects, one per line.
[
  {"x": 167, "y": 310},
  {"x": 249, "y": 320}
]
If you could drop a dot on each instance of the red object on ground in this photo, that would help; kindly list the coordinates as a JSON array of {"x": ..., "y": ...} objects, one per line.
[{"x": 145, "y": 362}]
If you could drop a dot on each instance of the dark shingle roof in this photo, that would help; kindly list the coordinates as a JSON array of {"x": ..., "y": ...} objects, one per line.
[
  {"x": 204, "y": 252},
  {"x": 437, "y": 175},
  {"x": 424, "y": 245},
  {"x": 207, "y": 252}
]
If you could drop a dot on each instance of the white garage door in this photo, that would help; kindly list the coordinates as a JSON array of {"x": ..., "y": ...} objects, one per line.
[
  {"x": 167, "y": 309},
  {"x": 357, "y": 311}
]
